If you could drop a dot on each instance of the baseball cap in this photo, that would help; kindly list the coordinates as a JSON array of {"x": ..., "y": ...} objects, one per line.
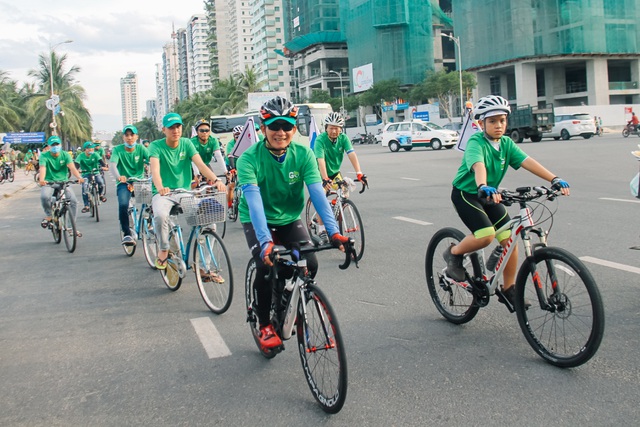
[
  {"x": 88, "y": 144},
  {"x": 53, "y": 139},
  {"x": 171, "y": 119},
  {"x": 132, "y": 128}
]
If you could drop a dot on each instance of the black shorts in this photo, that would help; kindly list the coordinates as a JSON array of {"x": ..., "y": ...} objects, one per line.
[{"x": 478, "y": 217}]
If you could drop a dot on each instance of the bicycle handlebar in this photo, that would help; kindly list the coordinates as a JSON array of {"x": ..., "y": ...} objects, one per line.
[
  {"x": 349, "y": 250},
  {"x": 527, "y": 194}
]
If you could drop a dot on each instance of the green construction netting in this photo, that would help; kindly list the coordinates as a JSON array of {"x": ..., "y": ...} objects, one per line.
[
  {"x": 394, "y": 35},
  {"x": 304, "y": 41},
  {"x": 499, "y": 30}
]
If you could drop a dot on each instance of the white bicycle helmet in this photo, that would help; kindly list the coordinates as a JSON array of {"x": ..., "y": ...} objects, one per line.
[
  {"x": 334, "y": 119},
  {"x": 491, "y": 105},
  {"x": 238, "y": 130}
]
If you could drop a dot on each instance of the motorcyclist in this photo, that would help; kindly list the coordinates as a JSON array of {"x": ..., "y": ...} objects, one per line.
[{"x": 634, "y": 121}]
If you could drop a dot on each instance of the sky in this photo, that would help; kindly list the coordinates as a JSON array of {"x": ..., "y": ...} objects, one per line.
[{"x": 110, "y": 38}]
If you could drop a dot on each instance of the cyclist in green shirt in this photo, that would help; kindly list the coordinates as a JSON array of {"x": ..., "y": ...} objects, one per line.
[
  {"x": 54, "y": 164},
  {"x": 90, "y": 163},
  {"x": 475, "y": 196},
  {"x": 207, "y": 146},
  {"x": 170, "y": 160},
  {"x": 272, "y": 175},
  {"x": 330, "y": 147},
  {"x": 127, "y": 161}
]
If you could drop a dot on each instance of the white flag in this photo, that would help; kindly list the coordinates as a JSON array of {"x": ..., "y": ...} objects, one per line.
[
  {"x": 194, "y": 132},
  {"x": 247, "y": 138},
  {"x": 468, "y": 128},
  {"x": 313, "y": 133}
]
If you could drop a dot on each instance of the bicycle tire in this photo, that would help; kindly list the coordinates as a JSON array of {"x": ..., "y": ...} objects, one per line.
[
  {"x": 454, "y": 302},
  {"x": 578, "y": 303},
  {"x": 221, "y": 226},
  {"x": 149, "y": 246},
  {"x": 10, "y": 176},
  {"x": 252, "y": 316},
  {"x": 321, "y": 349},
  {"x": 130, "y": 249},
  {"x": 210, "y": 256},
  {"x": 96, "y": 201},
  {"x": 351, "y": 226},
  {"x": 68, "y": 230},
  {"x": 55, "y": 227},
  {"x": 171, "y": 274}
]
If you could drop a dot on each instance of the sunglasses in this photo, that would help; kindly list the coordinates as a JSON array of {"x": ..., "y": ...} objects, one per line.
[
  {"x": 280, "y": 125},
  {"x": 204, "y": 130}
]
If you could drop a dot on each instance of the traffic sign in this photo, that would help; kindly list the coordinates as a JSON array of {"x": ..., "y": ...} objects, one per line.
[
  {"x": 23, "y": 137},
  {"x": 421, "y": 115}
]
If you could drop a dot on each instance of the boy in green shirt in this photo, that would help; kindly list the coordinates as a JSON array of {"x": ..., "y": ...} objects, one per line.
[
  {"x": 207, "y": 146},
  {"x": 90, "y": 163},
  {"x": 127, "y": 161},
  {"x": 170, "y": 161},
  {"x": 53, "y": 167},
  {"x": 475, "y": 196}
]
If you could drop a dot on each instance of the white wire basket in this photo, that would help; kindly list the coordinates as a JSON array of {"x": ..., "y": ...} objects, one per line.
[
  {"x": 142, "y": 190},
  {"x": 204, "y": 209}
]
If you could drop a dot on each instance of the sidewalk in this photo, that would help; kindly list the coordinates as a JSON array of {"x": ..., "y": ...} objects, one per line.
[{"x": 21, "y": 182}]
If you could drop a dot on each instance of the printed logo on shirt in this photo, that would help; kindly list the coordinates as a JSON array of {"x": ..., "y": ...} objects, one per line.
[
  {"x": 136, "y": 158},
  {"x": 502, "y": 163},
  {"x": 294, "y": 177},
  {"x": 183, "y": 155}
]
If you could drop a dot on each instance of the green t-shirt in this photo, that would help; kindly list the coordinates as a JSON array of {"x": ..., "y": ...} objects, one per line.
[
  {"x": 330, "y": 152},
  {"x": 281, "y": 184},
  {"x": 90, "y": 164},
  {"x": 56, "y": 166},
  {"x": 28, "y": 157},
  {"x": 130, "y": 164},
  {"x": 479, "y": 149},
  {"x": 206, "y": 151},
  {"x": 100, "y": 152},
  {"x": 229, "y": 150},
  {"x": 175, "y": 163}
]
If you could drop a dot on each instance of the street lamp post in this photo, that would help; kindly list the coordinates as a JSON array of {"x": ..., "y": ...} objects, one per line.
[
  {"x": 456, "y": 40},
  {"x": 52, "y": 103},
  {"x": 341, "y": 89}
]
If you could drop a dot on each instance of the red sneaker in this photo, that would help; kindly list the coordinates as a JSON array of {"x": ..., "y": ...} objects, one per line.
[{"x": 269, "y": 338}]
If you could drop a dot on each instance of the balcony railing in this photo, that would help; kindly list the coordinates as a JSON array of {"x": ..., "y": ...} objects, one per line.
[{"x": 623, "y": 85}]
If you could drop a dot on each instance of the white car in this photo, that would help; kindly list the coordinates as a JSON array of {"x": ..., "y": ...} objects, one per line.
[
  {"x": 417, "y": 133},
  {"x": 568, "y": 125}
]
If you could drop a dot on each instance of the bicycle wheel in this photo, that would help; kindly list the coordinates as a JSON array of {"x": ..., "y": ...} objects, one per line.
[
  {"x": 96, "y": 201},
  {"x": 233, "y": 212},
  {"x": 455, "y": 302},
  {"x": 54, "y": 224},
  {"x": 569, "y": 333},
  {"x": 311, "y": 218},
  {"x": 213, "y": 271},
  {"x": 130, "y": 249},
  {"x": 221, "y": 228},
  {"x": 171, "y": 275},
  {"x": 321, "y": 349},
  {"x": 351, "y": 226},
  {"x": 149, "y": 241},
  {"x": 252, "y": 316},
  {"x": 68, "y": 229},
  {"x": 10, "y": 176}
]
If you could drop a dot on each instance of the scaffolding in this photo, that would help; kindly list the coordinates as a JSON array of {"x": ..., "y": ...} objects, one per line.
[{"x": 503, "y": 30}]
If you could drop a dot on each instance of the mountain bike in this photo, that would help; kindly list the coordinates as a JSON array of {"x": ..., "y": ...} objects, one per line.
[
  {"x": 62, "y": 224},
  {"x": 139, "y": 222},
  {"x": 564, "y": 323},
  {"x": 211, "y": 264},
  {"x": 346, "y": 213},
  {"x": 299, "y": 307}
]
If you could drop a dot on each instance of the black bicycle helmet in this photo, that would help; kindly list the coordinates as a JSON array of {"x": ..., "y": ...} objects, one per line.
[
  {"x": 278, "y": 107},
  {"x": 491, "y": 105},
  {"x": 201, "y": 122}
]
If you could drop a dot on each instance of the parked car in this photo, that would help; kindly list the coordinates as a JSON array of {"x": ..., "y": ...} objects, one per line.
[
  {"x": 417, "y": 133},
  {"x": 568, "y": 125}
]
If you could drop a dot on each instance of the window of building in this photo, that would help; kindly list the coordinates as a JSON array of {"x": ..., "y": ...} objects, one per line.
[{"x": 494, "y": 85}]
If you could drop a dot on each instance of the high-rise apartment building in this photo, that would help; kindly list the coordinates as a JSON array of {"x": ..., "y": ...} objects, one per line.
[
  {"x": 151, "y": 111},
  {"x": 129, "y": 97},
  {"x": 270, "y": 22},
  {"x": 199, "y": 79},
  {"x": 160, "y": 94},
  {"x": 170, "y": 75},
  {"x": 183, "y": 62},
  {"x": 241, "y": 42},
  {"x": 223, "y": 35}
]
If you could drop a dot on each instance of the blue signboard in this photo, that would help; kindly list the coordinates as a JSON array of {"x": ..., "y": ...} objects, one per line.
[
  {"x": 421, "y": 115},
  {"x": 23, "y": 137}
]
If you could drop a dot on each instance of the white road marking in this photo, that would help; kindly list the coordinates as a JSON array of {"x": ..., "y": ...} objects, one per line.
[
  {"x": 410, "y": 179},
  {"x": 611, "y": 264},
  {"x": 414, "y": 221},
  {"x": 620, "y": 200},
  {"x": 210, "y": 338}
]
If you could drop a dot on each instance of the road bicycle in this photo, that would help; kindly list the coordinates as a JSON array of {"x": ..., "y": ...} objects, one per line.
[
  {"x": 62, "y": 224},
  {"x": 6, "y": 173},
  {"x": 564, "y": 323},
  {"x": 140, "y": 223},
  {"x": 299, "y": 307},
  {"x": 211, "y": 264},
  {"x": 346, "y": 213}
]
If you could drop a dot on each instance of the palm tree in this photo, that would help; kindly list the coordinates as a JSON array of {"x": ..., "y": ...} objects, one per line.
[
  {"x": 74, "y": 121},
  {"x": 10, "y": 104}
]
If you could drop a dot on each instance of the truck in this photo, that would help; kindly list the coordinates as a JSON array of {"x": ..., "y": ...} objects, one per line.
[{"x": 526, "y": 121}]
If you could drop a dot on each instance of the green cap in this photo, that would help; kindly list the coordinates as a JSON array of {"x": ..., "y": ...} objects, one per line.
[
  {"x": 53, "y": 139},
  {"x": 285, "y": 118},
  {"x": 132, "y": 128},
  {"x": 171, "y": 119},
  {"x": 88, "y": 144}
]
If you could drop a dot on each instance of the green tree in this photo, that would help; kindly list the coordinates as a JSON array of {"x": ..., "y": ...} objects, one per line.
[
  {"x": 387, "y": 90},
  {"x": 443, "y": 86},
  {"x": 10, "y": 104},
  {"x": 74, "y": 121},
  {"x": 148, "y": 129}
]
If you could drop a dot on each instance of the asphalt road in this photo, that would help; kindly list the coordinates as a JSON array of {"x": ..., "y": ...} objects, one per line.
[{"x": 95, "y": 338}]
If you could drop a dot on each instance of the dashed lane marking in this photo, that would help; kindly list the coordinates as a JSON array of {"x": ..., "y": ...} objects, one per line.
[
  {"x": 611, "y": 264},
  {"x": 414, "y": 221},
  {"x": 410, "y": 179},
  {"x": 620, "y": 200},
  {"x": 210, "y": 338}
]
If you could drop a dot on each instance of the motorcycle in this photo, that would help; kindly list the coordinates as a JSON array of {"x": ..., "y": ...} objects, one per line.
[
  {"x": 367, "y": 138},
  {"x": 630, "y": 129}
]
